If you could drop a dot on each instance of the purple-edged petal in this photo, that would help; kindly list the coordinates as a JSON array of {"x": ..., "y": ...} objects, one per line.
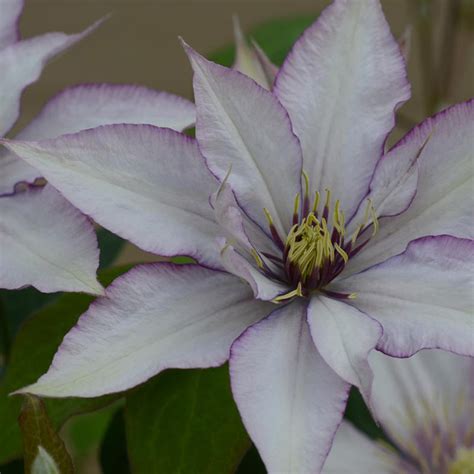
[
  {"x": 444, "y": 201},
  {"x": 423, "y": 297},
  {"x": 291, "y": 402},
  {"x": 92, "y": 105},
  {"x": 262, "y": 286},
  {"x": 22, "y": 63},
  {"x": 45, "y": 242},
  {"x": 404, "y": 388},
  {"x": 236, "y": 226},
  {"x": 341, "y": 83},
  {"x": 251, "y": 60},
  {"x": 9, "y": 31},
  {"x": 344, "y": 337},
  {"x": 155, "y": 317},
  {"x": 354, "y": 453},
  {"x": 147, "y": 184},
  {"x": 241, "y": 127}
]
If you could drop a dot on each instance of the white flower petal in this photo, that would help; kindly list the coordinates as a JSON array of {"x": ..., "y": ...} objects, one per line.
[
  {"x": 404, "y": 388},
  {"x": 353, "y": 453},
  {"x": 92, "y": 105},
  {"x": 263, "y": 287},
  {"x": 344, "y": 337},
  {"x": 9, "y": 30},
  {"x": 237, "y": 226},
  {"x": 147, "y": 184},
  {"x": 45, "y": 242},
  {"x": 423, "y": 297},
  {"x": 291, "y": 402},
  {"x": 22, "y": 63},
  {"x": 444, "y": 201},
  {"x": 242, "y": 127},
  {"x": 340, "y": 84},
  {"x": 155, "y": 317},
  {"x": 251, "y": 60}
]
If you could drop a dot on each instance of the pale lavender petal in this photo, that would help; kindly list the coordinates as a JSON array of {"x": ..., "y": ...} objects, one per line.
[
  {"x": 147, "y": 184},
  {"x": 291, "y": 402},
  {"x": 251, "y": 60},
  {"x": 444, "y": 201},
  {"x": 9, "y": 31},
  {"x": 406, "y": 390},
  {"x": 157, "y": 316},
  {"x": 263, "y": 287},
  {"x": 423, "y": 297},
  {"x": 354, "y": 453},
  {"x": 344, "y": 337},
  {"x": 45, "y": 242},
  {"x": 91, "y": 105},
  {"x": 21, "y": 64},
  {"x": 241, "y": 127},
  {"x": 341, "y": 84}
]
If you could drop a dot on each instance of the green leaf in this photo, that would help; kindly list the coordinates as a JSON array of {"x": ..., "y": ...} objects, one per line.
[
  {"x": 44, "y": 450},
  {"x": 17, "y": 305},
  {"x": 275, "y": 37},
  {"x": 31, "y": 355},
  {"x": 358, "y": 413},
  {"x": 113, "y": 452},
  {"x": 110, "y": 246},
  {"x": 185, "y": 421},
  {"x": 251, "y": 463}
]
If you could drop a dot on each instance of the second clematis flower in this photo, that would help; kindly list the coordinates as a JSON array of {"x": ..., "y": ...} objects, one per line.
[
  {"x": 44, "y": 240},
  {"x": 425, "y": 405},
  {"x": 313, "y": 247}
]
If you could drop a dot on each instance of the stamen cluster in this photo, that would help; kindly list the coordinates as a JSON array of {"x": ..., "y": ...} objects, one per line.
[{"x": 316, "y": 249}]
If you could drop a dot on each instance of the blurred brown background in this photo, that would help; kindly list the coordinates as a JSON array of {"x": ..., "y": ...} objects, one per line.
[{"x": 138, "y": 44}]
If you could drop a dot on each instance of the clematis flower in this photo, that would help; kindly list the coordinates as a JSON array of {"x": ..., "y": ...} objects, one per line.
[
  {"x": 312, "y": 248},
  {"x": 44, "y": 240},
  {"x": 425, "y": 404}
]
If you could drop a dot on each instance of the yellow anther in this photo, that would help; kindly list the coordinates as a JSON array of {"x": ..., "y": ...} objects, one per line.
[
  {"x": 463, "y": 462},
  {"x": 257, "y": 258},
  {"x": 296, "y": 292},
  {"x": 306, "y": 184},
  {"x": 317, "y": 197},
  {"x": 375, "y": 221},
  {"x": 296, "y": 205},
  {"x": 342, "y": 253},
  {"x": 352, "y": 296},
  {"x": 328, "y": 198},
  {"x": 268, "y": 216}
]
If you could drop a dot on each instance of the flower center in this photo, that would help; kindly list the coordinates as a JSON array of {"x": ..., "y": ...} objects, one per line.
[
  {"x": 463, "y": 462},
  {"x": 317, "y": 249}
]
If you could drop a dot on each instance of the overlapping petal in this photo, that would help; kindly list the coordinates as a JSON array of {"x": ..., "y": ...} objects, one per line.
[
  {"x": 251, "y": 60},
  {"x": 344, "y": 337},
  {"x": 147, "y": 184},
  {"x": 431, "y": 378},
  {"x": 21, "y": 64},
  {"x": 91, "y": 105},
  {"x": 423, "y": 297},
  {"x": 157, "y": 316},
  {"x": 340, "y": 84},
  {"x": 241, "y": 127},
  {"x": 354, "y": 453},
  {"x": 263, "y": 287},
  {"x": 444, "y": 174},
  {"x": 291, "y": 402},
  {"x": 47, "y": 243},
  {"x": 9, "y": 31}
]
